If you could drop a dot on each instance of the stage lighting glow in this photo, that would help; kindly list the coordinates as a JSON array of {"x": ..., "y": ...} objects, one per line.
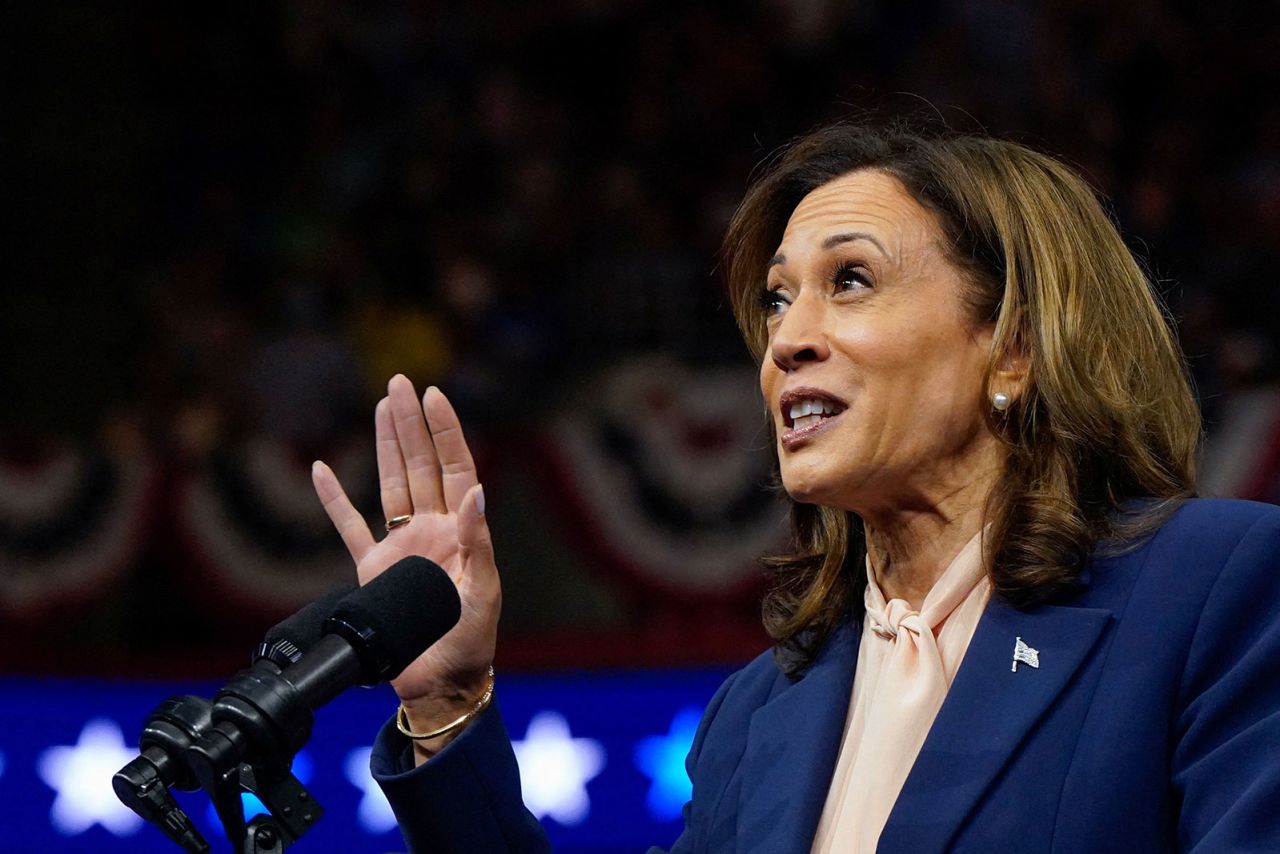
[
  {"x": 555, "y": 768},
  {"x": 661, "y": 758},
  {"x": 62, "y": 741},
  {"x": 373, "y": 813},
  {"x": 81, "y": 775}
]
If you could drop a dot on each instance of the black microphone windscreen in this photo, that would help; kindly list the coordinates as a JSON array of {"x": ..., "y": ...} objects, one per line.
[
  {"x": 397, "y": 615},
  {"x": 286, "y": 641}
]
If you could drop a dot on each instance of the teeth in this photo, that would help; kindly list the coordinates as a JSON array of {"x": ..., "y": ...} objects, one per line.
[
  {"x": 806, "y": 409},
  {"x": 806, "y": 420}
]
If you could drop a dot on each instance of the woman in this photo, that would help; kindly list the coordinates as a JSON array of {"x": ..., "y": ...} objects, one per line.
[{"x": 1004, "y": 626}]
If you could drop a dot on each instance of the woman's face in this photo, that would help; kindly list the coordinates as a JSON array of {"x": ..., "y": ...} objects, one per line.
[{"x": 874, "y": 370}]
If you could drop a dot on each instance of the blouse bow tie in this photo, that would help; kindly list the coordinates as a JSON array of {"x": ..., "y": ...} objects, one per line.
[{"x": 905, "y": 667}]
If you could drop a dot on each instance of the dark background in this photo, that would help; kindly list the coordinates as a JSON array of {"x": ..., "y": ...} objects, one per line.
[{"x": 230, "y": 224}]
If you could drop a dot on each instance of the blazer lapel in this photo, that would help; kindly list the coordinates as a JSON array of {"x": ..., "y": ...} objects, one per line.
[
  {"x": 791, "y": 751},
  {"x": 987, "y": 712}
]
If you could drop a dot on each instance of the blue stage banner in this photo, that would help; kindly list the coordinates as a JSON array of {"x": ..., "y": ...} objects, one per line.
[{"x": 601, "y": 762}]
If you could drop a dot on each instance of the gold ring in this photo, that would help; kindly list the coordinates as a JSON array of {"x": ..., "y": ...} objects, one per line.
[{"x": 399, "y": 520}]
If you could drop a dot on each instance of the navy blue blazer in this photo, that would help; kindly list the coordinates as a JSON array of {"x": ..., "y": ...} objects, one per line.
[{"x": 1151, "y": 724}]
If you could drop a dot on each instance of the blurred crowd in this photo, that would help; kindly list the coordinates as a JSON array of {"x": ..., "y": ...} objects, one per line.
[{"x": 233, "y": 225}]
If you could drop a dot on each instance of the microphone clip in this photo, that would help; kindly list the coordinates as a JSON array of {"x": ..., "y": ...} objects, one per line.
[
  {"x": 143, "y": 784},
  {"x": 292, "y": 811},
  {"x": 260, "y": 720}
]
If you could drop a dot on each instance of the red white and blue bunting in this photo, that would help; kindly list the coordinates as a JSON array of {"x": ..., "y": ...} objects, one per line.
[
  {"x": 250, "y": 521},
  {"x": 1241, "y": 458},
  {"x": 72, "y": 520},
  {"x": 661, "y": 472},
  {"x": 667, "y": 471}
]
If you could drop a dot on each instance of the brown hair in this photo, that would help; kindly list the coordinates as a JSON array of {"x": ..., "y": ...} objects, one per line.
[{"x": 1101, "y": 441}]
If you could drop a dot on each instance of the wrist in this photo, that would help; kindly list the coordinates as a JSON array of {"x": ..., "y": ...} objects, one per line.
[{"x": 433, "y": 720}]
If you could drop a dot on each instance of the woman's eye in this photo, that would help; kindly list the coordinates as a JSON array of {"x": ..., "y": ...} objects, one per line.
[
  {"x": 773, "y": 302},
  {"x": 849, "y": 277}
]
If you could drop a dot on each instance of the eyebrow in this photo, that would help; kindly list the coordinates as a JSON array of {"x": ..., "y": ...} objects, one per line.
[{"x": 834, "y": 241}]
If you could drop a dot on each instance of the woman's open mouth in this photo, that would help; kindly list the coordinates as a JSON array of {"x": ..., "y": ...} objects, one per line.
[{"x": 806, "y": 412}]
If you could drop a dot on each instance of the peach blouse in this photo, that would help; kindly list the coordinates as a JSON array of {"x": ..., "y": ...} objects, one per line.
[{"x": 906, "y": 662}]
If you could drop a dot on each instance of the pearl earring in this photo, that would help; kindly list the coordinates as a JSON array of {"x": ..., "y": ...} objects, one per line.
[{"x": 1000, "y": 401}]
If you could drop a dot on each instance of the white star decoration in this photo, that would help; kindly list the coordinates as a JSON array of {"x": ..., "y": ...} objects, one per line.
[
  {"x": 555, "y": 768},
  {"x": 374, "y": 812},
  {"x": 81, "y": 775}
]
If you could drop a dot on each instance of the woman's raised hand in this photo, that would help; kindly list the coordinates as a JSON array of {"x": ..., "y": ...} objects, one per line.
[{"x": 426, "y": 472}]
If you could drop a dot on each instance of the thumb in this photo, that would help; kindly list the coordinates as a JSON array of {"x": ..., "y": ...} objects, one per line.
[{"x": 474, "y": 542}]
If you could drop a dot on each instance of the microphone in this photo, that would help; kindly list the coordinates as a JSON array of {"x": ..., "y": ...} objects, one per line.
[
  {"x": 178, "y": 722},
  {"x": 372, "y": 635},
  {"x": 286, "y": 641}
]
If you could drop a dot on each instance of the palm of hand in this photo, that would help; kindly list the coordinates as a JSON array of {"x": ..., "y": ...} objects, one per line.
[
  {"x": 467, "y": 647},
  {"x": 426, "y": 472}
]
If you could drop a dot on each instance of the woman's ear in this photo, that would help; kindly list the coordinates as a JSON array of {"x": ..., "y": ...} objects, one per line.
[{"x": 1012, "y": 372}]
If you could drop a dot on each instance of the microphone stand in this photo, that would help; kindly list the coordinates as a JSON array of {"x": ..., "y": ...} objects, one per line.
[
  {"x": 260, "y": 721},
  {"x": 247, "y": 738},
  {"x": 143, "y": 784},
  {"x": 174, "y": 732}
]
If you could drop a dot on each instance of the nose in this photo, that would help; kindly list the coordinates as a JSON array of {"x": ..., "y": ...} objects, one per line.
[{"x": 801, "y": 335}]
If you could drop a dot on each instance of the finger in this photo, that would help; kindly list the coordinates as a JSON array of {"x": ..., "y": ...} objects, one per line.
[
  {"x": 420, "y": 462},
  {"x": 475, "y": 545},
  {"x": 392, "y": 479},
  {"x": 457, "y": 469},
  {"x": 350, "y": 524}
]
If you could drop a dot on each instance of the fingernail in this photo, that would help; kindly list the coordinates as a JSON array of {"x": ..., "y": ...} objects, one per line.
[{"x": 480, "y": 501}]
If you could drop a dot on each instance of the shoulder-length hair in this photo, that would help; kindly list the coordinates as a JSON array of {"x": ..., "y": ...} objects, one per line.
[{"x": 1102, "y": 439}]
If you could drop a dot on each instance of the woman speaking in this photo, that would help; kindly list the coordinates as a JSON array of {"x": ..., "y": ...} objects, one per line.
[{"x": 1003, "y": 625}]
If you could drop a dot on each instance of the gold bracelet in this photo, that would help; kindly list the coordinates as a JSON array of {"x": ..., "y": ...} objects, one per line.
[{"x": 402, "y": 719}]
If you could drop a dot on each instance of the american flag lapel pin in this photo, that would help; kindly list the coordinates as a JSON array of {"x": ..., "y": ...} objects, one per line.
[{"x": 1024, "y": 654}]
